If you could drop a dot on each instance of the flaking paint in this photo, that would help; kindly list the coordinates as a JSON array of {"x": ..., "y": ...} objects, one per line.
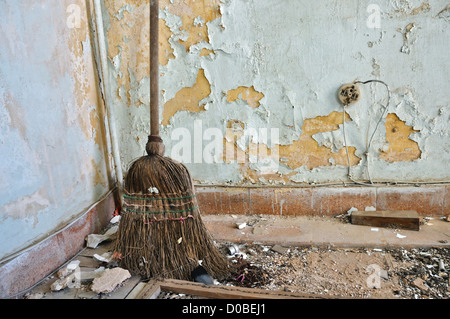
[
  {"x": 278, "y": 64},
  {"x": 53, "y": 142}
]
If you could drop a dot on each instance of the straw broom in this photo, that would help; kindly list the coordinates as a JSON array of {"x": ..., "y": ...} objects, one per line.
[{"x": 161, "y": 233}]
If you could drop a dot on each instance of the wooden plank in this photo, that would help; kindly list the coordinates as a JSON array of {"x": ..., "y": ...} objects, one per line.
[
  {"x": 150, "y": 291},
  {"x": 136, "y": 290},
  {"x": 407, "y": 219},
  {"x": 219, "y": 292},
  {"x": 124, "y": 289}
]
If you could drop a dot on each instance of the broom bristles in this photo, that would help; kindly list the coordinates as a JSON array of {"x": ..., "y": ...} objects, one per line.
[{"x": 161, "y": 233}]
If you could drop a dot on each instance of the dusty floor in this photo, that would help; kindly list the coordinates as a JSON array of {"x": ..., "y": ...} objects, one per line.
[
  {"x": 394, "y": 272},
  {"x": 348, "y": 273}
]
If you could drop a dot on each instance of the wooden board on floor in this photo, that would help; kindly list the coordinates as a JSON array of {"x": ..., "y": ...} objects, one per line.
[
  {"x": 153, "y": 288},
  {"x": 124, "y": 289},
  {"x": 407, "y": 219}
]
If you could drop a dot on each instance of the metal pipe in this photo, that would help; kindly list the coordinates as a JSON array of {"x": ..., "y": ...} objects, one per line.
[{"x": 106, "y": 86}]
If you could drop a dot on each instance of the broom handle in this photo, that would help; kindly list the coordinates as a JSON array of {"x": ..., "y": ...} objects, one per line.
[{"x": 154, "y": 67}]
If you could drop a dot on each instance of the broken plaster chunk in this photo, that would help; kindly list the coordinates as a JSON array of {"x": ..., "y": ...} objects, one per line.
[
  {"x": 106, "y": 257},
  {"x": 384, "y": 274},
  {"x": 93, "y": 240},
  {"x": 69, "y": 281},
  {"x": 109, "y": 280},
  {"x": 74, "y": 264},
  {"x": 115, "y": 219},
  {"x": 420, "y": 283}
]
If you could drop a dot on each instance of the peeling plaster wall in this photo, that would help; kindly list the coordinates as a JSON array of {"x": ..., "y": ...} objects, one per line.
[
  {"x": 54, "y": 160},
  {"x": 277, "y": 65}
]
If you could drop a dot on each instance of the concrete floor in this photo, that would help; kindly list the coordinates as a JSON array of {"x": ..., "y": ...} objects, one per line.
[
  {"x": 270, "y": 230},
  {"x": 324, "y": 231}
]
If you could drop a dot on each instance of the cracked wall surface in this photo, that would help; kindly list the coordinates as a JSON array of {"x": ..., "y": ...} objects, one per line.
[
  {"x": 276, "y": 65},
  {"x": 53, "y": 141}
]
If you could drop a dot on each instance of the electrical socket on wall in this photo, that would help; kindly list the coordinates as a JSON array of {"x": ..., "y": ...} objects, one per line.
[{"x": 349, "y": 94}]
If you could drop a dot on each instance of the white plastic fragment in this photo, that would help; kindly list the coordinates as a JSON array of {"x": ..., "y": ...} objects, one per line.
[
  {"x": 242, "y": 226},
  {"x": 400, "y": 236},
  {"x": 370, "y": 209},
  {"x": 374, "y": 229},
  {"x": 153, "y": 190},
  {"x": 233, "y": 249},
  {"x": 441, "y": 265}
]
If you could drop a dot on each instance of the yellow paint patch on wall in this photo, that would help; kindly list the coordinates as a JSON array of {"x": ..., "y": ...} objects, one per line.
[
  {"x": 306, "y": 151},
  {"x": 253, "y": 176},
  {"x": 248, "y": 94},
  {"x": 234, "y": 153},
  {"x": 401, "y": 147},
  {"x": 263, "y": 152},
  {"x": 194, "y": 16},
  {"x": 188, "y": 98},
  {"x": 235, "y": 130},
  {"x": 129, "y": 36},
  {"x": 206, "y": 52},
  {"x": 84, "y": 73},
  {"x": 98, "y": 177}
]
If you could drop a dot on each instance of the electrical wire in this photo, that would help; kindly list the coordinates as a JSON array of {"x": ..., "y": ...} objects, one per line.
[
  {"x": 378, "y": 123},
  {"x": 366, "y": 153}
]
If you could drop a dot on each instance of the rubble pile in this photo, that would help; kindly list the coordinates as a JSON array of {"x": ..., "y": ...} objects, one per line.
[
  {"x": 348, "y": 273},
  {"x": 428, "y": 274}
]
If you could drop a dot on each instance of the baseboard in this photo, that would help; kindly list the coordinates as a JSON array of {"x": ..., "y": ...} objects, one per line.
[
  {"x": 28, "y": 268},
  {"x": 322, "y": 201}
]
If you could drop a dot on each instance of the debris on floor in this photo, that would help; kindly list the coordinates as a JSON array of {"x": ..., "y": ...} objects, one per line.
[
  {"x": 93, "y": 240},
  {"x": 416, "y": 273},
  {"x": 344, "y": 272},
  {"x": 109, "y": 280}
]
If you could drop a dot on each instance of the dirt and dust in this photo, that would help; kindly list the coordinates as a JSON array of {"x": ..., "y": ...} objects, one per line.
[{"x": 348, "y": 273}]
